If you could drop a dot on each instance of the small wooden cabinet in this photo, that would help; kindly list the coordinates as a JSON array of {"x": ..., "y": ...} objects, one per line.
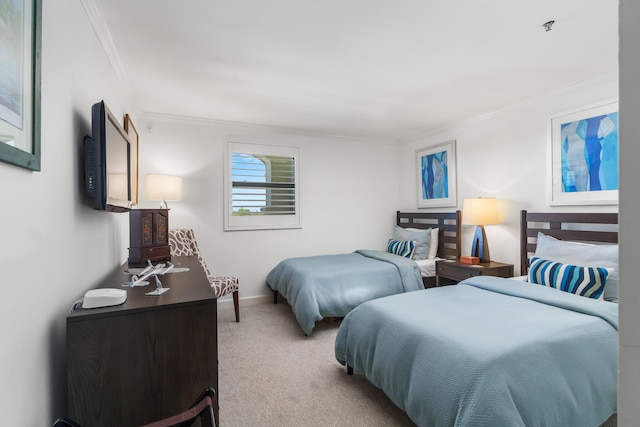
[
  {"x": 455, "y": 271},
  {"x": 148, "y": 236}
]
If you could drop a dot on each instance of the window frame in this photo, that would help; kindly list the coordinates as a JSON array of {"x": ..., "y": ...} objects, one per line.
[{"x": 259, "y": 222}]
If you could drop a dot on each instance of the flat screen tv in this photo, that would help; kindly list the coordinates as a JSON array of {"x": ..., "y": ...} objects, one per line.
[{"x": 106, "y": 162}]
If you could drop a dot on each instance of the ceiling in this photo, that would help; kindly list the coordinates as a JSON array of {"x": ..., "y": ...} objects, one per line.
[{"x": 374, "y": 69}]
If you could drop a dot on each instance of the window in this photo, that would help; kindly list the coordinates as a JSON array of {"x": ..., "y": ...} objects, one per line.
[{"x": 261, "y": 187}]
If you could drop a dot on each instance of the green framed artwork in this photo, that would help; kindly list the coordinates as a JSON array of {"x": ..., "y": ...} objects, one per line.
[{"x": 20, "y": 67}]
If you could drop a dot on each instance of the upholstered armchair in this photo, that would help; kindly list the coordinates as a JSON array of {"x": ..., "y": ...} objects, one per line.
[{"x": 183, "y": 243}]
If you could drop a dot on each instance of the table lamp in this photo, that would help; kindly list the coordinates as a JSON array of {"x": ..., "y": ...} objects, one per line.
[
  {"x": 163, "y": 188},
  {"x": 480, "y": 212}
]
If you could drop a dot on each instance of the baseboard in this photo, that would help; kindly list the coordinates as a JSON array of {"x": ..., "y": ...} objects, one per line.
[{"x": 227, "y": 301}]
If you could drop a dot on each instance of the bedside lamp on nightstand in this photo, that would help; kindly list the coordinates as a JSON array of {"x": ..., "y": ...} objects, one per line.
[{"x": 480, "y": 212}]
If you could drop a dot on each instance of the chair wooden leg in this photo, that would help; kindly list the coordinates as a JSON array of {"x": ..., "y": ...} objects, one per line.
[{"x": 236, "y": 305}]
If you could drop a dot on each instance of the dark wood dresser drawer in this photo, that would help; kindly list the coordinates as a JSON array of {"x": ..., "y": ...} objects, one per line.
[
  {"x": 153, "y": 253},
  {"x": 456, "y": 271}
]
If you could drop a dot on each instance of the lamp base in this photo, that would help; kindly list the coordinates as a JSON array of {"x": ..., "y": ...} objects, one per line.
[{"x": 479, "y": 246}]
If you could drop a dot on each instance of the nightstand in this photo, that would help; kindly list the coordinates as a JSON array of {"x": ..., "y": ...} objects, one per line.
[{"x": 455, "y": 271}]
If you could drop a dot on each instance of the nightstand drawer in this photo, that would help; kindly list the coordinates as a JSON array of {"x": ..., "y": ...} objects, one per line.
[{"x": 456, "y": 272}]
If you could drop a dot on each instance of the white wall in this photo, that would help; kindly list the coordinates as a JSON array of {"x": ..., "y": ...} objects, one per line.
[
  {"x": 53, "y": 248},
  {"x": 347, "y": 190},
  {"x": 504, "y": 155}
]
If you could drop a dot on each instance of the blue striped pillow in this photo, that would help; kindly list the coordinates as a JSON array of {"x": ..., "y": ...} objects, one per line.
[
  {"x": 585, "y": 281},
  {"x": 403, "y": 248}
]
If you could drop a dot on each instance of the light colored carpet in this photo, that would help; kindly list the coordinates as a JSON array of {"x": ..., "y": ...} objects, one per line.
[{"x": 271, "y": 374}]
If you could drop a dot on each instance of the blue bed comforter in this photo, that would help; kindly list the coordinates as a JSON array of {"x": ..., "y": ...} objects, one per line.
[
  {"x": 332, "y": 285},
  {"x": 488, "y": 352}
]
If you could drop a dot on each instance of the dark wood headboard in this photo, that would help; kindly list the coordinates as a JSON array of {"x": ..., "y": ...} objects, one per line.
[
  {"x": 583, "y": 227},
  {"x": 448, "y": 223}
]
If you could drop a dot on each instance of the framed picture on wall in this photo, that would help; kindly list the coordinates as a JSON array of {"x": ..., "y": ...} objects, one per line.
[
  {"x": 20, "y": 67},
  {"x": 584, "y": 156},
  {"x": 436, "y": 175},
  {"x": 132, "y": 133}
]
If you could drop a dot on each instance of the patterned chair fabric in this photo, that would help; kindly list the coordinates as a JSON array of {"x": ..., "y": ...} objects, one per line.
[{"x": 183, "y": 243}]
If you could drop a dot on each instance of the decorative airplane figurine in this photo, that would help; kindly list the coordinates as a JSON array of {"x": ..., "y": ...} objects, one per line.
[{"x": 151, "y": 270}]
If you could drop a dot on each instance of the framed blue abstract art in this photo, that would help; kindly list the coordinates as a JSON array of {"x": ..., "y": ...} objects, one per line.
[
  {"x": 584, "y": 156},
  {"x": 436, "y": 170}
]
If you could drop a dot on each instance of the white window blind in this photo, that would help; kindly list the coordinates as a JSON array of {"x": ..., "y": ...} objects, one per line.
[{"x": 261, "y": 187}]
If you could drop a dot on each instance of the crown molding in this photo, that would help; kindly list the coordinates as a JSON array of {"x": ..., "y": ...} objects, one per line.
[
  {"x": 276, "y": 128},
  {"x": 94, "y": 13}
]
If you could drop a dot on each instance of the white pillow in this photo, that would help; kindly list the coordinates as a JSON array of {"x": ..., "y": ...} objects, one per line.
[
  {"x": 421, "y": 237},
  {"x": 433, "y": 241},
  {"x": 584, "y": 255},
  {"x": 433, "y": 245}
]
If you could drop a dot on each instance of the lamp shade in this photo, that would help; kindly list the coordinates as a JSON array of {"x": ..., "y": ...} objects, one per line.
[
  {"x": 164, "y": 187},
  {"x": 480, "y": 211}
]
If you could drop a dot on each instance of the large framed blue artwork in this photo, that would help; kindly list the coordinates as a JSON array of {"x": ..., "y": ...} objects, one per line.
[
  {"x": 584, "y": 156},
  {"x": 436, "y": 170}
]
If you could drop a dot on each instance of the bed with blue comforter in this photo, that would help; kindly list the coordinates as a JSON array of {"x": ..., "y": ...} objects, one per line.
[
  {"x": 488, "y": 352},
  {"x": 325, "y": 286}
]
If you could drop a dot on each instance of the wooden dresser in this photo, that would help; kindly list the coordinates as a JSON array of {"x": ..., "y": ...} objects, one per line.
[{"x": 146, "y": 359}]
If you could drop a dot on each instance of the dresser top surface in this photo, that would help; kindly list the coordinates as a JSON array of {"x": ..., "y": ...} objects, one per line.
[{"x": 188, "y": 287}]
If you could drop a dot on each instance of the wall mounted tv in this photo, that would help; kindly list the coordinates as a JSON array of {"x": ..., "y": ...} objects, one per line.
[{"x": 107, "y": 172}]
